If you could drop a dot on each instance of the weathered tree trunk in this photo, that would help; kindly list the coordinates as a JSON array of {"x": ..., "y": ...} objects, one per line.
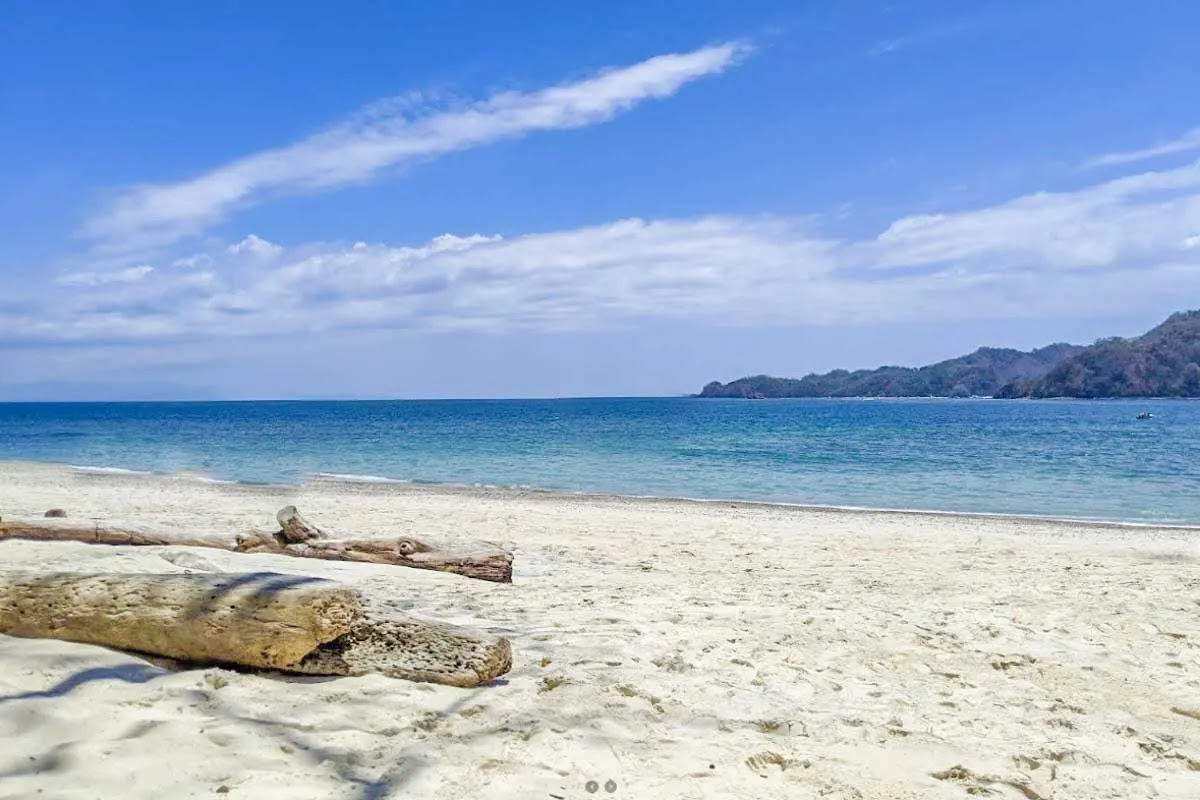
[
  {"x": 264, "y": 620},
  {"x": 296, "y": 537},
  {"x": 69, "y": 530},
  {"x": 257, "y": 619},
  {"x": 415, "y": 650}
]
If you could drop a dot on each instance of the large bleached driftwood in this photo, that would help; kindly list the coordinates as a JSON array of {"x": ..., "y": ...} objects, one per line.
[
  {"x": 295, "y": 537},
  {"x": 417, "y": 650},
  {"x": 258, "y": 620},
  {"x": 264, "y": 620}
]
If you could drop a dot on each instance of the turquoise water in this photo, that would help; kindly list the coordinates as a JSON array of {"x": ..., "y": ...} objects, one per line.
[{"x": 1078, "y": 459}]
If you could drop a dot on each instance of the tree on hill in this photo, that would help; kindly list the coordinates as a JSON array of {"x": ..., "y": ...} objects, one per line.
[
  {"x": 980, "y": 373},
  {"x": 1163, "y": 362}
]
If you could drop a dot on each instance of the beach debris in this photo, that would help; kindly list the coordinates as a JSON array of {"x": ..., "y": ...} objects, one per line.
[
  {"x": 1004, "y": 664},
  {"x": 296, "y": 536},
  {"x": 263, "y": 620},
  {"x": 762, "y": 762},
  {"x": 56, "y": 512},
  {"x": 552, "y": 682},
  {"x": 978, "y": 784}
]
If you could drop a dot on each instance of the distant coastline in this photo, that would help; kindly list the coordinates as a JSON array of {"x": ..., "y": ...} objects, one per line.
[{"x": 1162, "y": 363}]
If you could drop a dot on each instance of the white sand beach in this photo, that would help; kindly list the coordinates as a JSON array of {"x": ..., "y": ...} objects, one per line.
[{"x": 677, "y": 649}]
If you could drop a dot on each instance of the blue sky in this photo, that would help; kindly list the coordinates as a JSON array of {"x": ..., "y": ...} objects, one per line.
[{"x": 475, "y": 199}]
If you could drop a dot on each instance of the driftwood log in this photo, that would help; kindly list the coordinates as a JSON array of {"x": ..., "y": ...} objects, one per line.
[
  {"x": 296, "y": 537},
  {"x": 264, "y": 620}
]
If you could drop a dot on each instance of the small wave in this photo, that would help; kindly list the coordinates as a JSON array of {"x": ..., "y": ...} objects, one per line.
[
  {"x": 353, "y": 478},
  {"x": 200, "y": 478},
  {"x": 109, "y": 470}
]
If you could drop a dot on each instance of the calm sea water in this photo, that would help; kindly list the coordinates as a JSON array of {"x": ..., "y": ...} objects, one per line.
[{"x": 1067, "y": 459}]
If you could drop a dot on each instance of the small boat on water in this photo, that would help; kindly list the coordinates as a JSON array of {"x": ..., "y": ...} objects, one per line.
[{"x": 1145, "y": 415}]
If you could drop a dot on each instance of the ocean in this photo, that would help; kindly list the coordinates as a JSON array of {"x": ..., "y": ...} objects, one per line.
[{"x": 1091, "y": 460}]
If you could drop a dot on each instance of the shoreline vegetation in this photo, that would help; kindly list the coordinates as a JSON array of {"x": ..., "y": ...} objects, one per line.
[
  {"x": 1162, "y": 363},
  {"x": 673, "y": 648}
]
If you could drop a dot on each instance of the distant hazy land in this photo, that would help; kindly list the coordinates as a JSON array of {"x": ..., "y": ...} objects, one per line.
[{"x": 1164, "y": 362}]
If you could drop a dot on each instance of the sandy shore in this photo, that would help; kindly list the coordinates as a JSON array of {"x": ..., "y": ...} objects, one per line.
[{"x": 678, "y": 649}]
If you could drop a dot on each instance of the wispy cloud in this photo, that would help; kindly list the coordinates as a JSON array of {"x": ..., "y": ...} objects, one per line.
[
  {"x": 1127, "y": 221},
  {"x": 384, "y": 136},
  {"x": 933, "y": 34},
  {"x": 1123, "y": 245},
  {"x": 1185, "y": 143},
  {"x": 129, "y": 275}
]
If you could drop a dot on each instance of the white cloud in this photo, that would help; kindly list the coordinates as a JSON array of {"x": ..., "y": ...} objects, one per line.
[
  {"x": 382, "y": 137},
  {"x": 562, "y": 279},
  {"x": 255, "y": 246},
  {"x": 1122, "y": 246},
  {"x": 204, "y": 278},
  {"x": 1124, "y": 221},
  {"x": 198, "y": 260},
  {"x": 130, "y": 275},
  {"x": 1185, "y": 143}
]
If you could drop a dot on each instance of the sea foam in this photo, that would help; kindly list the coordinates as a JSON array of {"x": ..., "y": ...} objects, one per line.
[{"x": 350, "y": 477}]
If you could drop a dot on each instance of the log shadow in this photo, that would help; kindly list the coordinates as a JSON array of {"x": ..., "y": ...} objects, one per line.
[
  {"x": 390, "y": 781},
  {"x": 340, "y": 762},
  {"x": 129, "y": 673},
  {"x": 305, "y": 742}
]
